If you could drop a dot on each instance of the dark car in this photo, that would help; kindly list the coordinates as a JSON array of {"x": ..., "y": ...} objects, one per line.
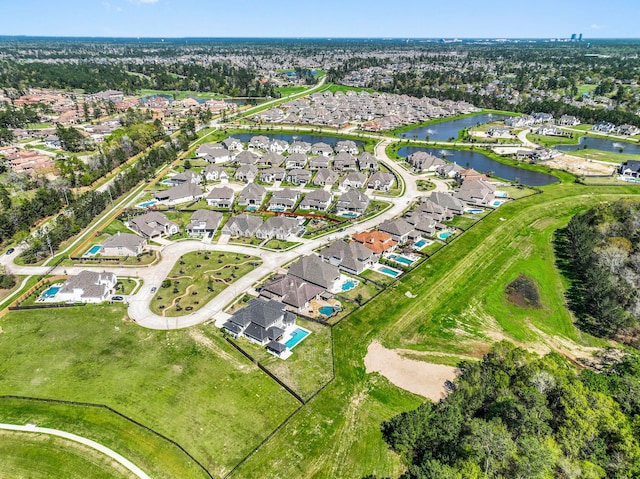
[
  {"x": 10, "y": 250},
  {"x": 153, "y": 289},
  {"x": 117, "y": 298}
]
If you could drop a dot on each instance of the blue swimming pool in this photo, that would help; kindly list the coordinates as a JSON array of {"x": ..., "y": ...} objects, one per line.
[
  {"x": 401, "y": 259},
  {"x": 474, "y": 210},
  {"x": 390, "y": 272},
  {"x": 497, "y": 203},
  {"x": 251, "y": 208},
  {"x": 349, "y": 214},
  {"x": 349, "y": 285},
  {"x": 298, "y": 335},
  {"x": 95, "y": 249},
  {"x": 500, "y": 194},
  {"x": 50, "y": 292},
  {"x": 147, "y": 204},
  {"x": 444, "y": 235},
  {"x": 326, "y": 310}
]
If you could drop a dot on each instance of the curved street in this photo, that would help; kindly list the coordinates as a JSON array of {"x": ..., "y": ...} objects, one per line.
[{"x": 32, "y": 428}]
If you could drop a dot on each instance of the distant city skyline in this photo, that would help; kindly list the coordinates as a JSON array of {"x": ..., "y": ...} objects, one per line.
[{"x": 331, "y": 18}]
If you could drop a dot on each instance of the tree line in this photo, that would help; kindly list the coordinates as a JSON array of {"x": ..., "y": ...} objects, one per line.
[{"x": 518, "y": 415}]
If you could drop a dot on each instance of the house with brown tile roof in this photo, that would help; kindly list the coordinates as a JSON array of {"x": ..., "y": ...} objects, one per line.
[{"x": 377, "y": 241}]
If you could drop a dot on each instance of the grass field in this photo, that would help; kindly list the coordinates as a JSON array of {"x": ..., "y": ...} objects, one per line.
[
  {"x": 197, "y": 278},
  {"x": 194, "y": 388},
  {"x": 39, "y": 456},
  {"x": 604, "y": 155},
  {"x": 460, "y": 308}
]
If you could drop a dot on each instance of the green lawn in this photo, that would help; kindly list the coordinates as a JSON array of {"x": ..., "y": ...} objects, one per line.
[
  {"x": 38, "y": 456},
  {"x": 308, "y": 368},
  {"x": 197, "y": 278},
  {"x": 459, "y": 308},
  {"x": 116, "y": 226},
  {"x": 190, "y": 386},
  {"x": 462, "y": 222},
  {"x": 291, "y": 90},
  {"x": 603, "y": 156}
]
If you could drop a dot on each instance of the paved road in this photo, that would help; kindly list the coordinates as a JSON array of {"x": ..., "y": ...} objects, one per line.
[{"x": 82, "y": 440}]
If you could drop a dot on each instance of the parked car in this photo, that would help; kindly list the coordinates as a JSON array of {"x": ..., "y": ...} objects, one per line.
[
  {"x": 153, "y": 289},
  {"x": 117, "y": 298},
  {"x": 10, "y": 250}
]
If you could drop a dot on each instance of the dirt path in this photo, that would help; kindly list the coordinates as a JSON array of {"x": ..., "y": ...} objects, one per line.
[
  {"x": 418, "y": 377},
  {"x": 175, "y": 300}
]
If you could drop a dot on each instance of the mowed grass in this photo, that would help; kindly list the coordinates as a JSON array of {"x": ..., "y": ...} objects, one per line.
[
  {"x": 458, "y": 291},
  {"x": 195, "y": 389},
  {"x": 197, "y": 278},
  {"x": 41, "y": 456}
]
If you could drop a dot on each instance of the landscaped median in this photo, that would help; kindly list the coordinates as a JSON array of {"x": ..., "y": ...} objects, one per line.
[{"x": 197, "y": 278}]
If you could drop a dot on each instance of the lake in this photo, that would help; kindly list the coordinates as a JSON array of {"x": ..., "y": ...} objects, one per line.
[
  {"x": 602, "y": 144},
  {"x": 450, "y": 129},
  {"x": 291, "y": 137},
  {"x": 484, "y": 164}
]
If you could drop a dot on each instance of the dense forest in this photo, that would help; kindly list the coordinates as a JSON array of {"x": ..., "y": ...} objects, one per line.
[
  {"x": 600, "y": 251},
  {"x": 519, "y": 415}
]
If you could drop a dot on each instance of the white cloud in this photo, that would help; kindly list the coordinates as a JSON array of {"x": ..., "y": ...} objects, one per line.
[
  {"x": 595, "y": 26},
  {"x": 144, "y": 1},
  {"x": 109, "y": 6}
]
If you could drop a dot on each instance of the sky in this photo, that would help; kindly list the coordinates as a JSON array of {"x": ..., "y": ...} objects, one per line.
[{"x": 321, "y": 18}]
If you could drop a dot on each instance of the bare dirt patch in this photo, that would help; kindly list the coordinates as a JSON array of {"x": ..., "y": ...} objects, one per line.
[
  {"x": 418, "y": 377},
  {"x": 580, "y": 166},
  {"x": 523, "y": 292}
]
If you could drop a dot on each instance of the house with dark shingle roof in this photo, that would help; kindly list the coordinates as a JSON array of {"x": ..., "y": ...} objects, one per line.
[
  {"x": 318, "y": 162},
  {"x": 271, "y": 175},
  {"x": 325, "y": 177},
  {"x": 271, "y": 159},
  {"x": 284, "y": 199},
  {"x": 353, "y": 200},
  {"x": 221, "y": 197},
  {"x": 448, "y": 202},
  {"x": 353, "y": 257},
  {"x": 299, "y": 177},
  {"x": 315, "y": 271},
  {"x": 246, "y": 158},
  {"x": 296, "y": 161},
  {"x": 153, "y": 224},
  {"x": 252, "y": 195},
  {"x": 291, "y": 291},
  {"x": 243, "y": 226},
  {"x": 399, "y": 229},
  {"x": 204, "y": 222},
  {"x": 354, "y": 180},
  {"x": 366, "y": 161},
  {"x": 279, "y": 227},
  {"x": 381, "y": 181},
  {"x": 260, "y": 321},
  {"x": 180, "y": 194},
  {"x": 476, "y": 192},
  {"x": 123, "y": 244},
  {"x": 319, "y": 200},
  {"x": 246, "y": 173},
  {"x": 87, "y": 287}
]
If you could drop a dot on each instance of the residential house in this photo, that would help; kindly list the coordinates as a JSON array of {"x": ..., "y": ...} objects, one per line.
[
  {"x": 246, "y": 173},
  {"x": 221, "y": 197},
  {"x": 318, "y": 200},
  {"x": 300, "y": 147},
  {"x": 278, "y": 146},
  {"x": 424, "y": 223},
  {"x": 312, "y": 269},
  {"x": 207, "y": 149},
  {"x": 252, "y": 195},
  {"x": 498, "y": 132},
  {"x": 296, "y": 161},
  {"x": 542, "y": 117},
  {"x": 261, "y": 322},
  {"x": 345, "y": 162},
  {"x": 215, "y": 173},
  {"x": 233, "y": 144},
  {"x": 400, "y": 230},
  {"x": 271, "y": 159},
  {"x": 299, "y": 177},
  {"x": 53, "y": 141},
  {"x": 87, "y": 287},
  {"x": 180, "y": 194},
  {"x": 568, "y": 120},
  {"x": 153, "y": 224},
  {"x": 346, "y": 146},
  {"x": 321, "y": 148},
  {"x": 366, "y": 161},
  {"x": 550, "y": 130},
  {"x": 123, "y": 244},
  {"x": 630, "y": 168},
  {"x": 283, "y": 200},
  {"x": 448, "y": 202},
  {"x": 354, "y": 180},
  {"x": 318, "y": 162},
  {"x": 435, "y": 210},
  {"x": 292, "y": 291},
  {"x": 259, "y": 142},
  {"x": 279, "y": 227},
  {"x": 353, "y": 258},
  {"x": 423, "y": 161},
  {"x": 381, "y": 181},
  {"x": 246, "y": 158},
  {"x": 271, "y": 175},
  {"x": 186, "y": 177},
  {"x": 519, "y": 121},
  {"x": 449, "y": 170},
  {"x": 243, "y": 225},
  {"x": 353, "y": 200},
  {"x": 204, "y": 222},
  {"x": 219, "y": 155},
  {"x": 604, "y": 127},
  {"x": 628, "y": 130},
  {"x": 377, "y": 241},
  {"x": 476, "y": 192},
  {"x": 325, "y": 177}
]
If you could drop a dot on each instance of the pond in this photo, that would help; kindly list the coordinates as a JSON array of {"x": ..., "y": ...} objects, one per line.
[
  {"x": 484, "y": 164},
  {"x": 291, "y": 137},
  {"x": 450, "y": 129},
  {"x": 602, "y": 144}
]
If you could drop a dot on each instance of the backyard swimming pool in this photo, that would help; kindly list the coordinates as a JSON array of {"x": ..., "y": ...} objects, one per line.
[
  {"x": 298, "y": 335},
  {"x": 394, "y": 273},
  {"x": 349, "y": 284},
  {"x": 326, "y": 310},
  {"x": 497, "y": 203},
  {"x": 401, "y": 259},
  {"x": 95, "y": 249},
  {"x": 444, "y": 235},
  {"x": 473, "y": 210},
  {"x": 349, "y": 214},
  {"x": 147, "y": 204},
  {"x": 50, "y": 292}
]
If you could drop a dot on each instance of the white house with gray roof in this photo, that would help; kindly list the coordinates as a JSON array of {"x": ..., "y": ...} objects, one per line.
[
  {"x": 252, "y": 195},
  {"x": 354, "y": 201},
  {"x": 283, "y": 200},
  {"x": 123, "y": 244},
  {"x": 279, "y": 227},
  {"x": 204, "y": 222},
  {"x": 180, "y": 194},
  {"x": 381, "y": 181},
  {"x": 312, "y": 269},
  {"x": 318, "y": 200},
  {"x": 221, "y": 197},
  {"x": 352, "y": 257},
  {"x": 87, "y": 287},
  {"x": 244, "y": 226},
  {"x": 153, "y": 224},
  {"x": 399, "y": 229},
  {"x": 246, "y": 173}
]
